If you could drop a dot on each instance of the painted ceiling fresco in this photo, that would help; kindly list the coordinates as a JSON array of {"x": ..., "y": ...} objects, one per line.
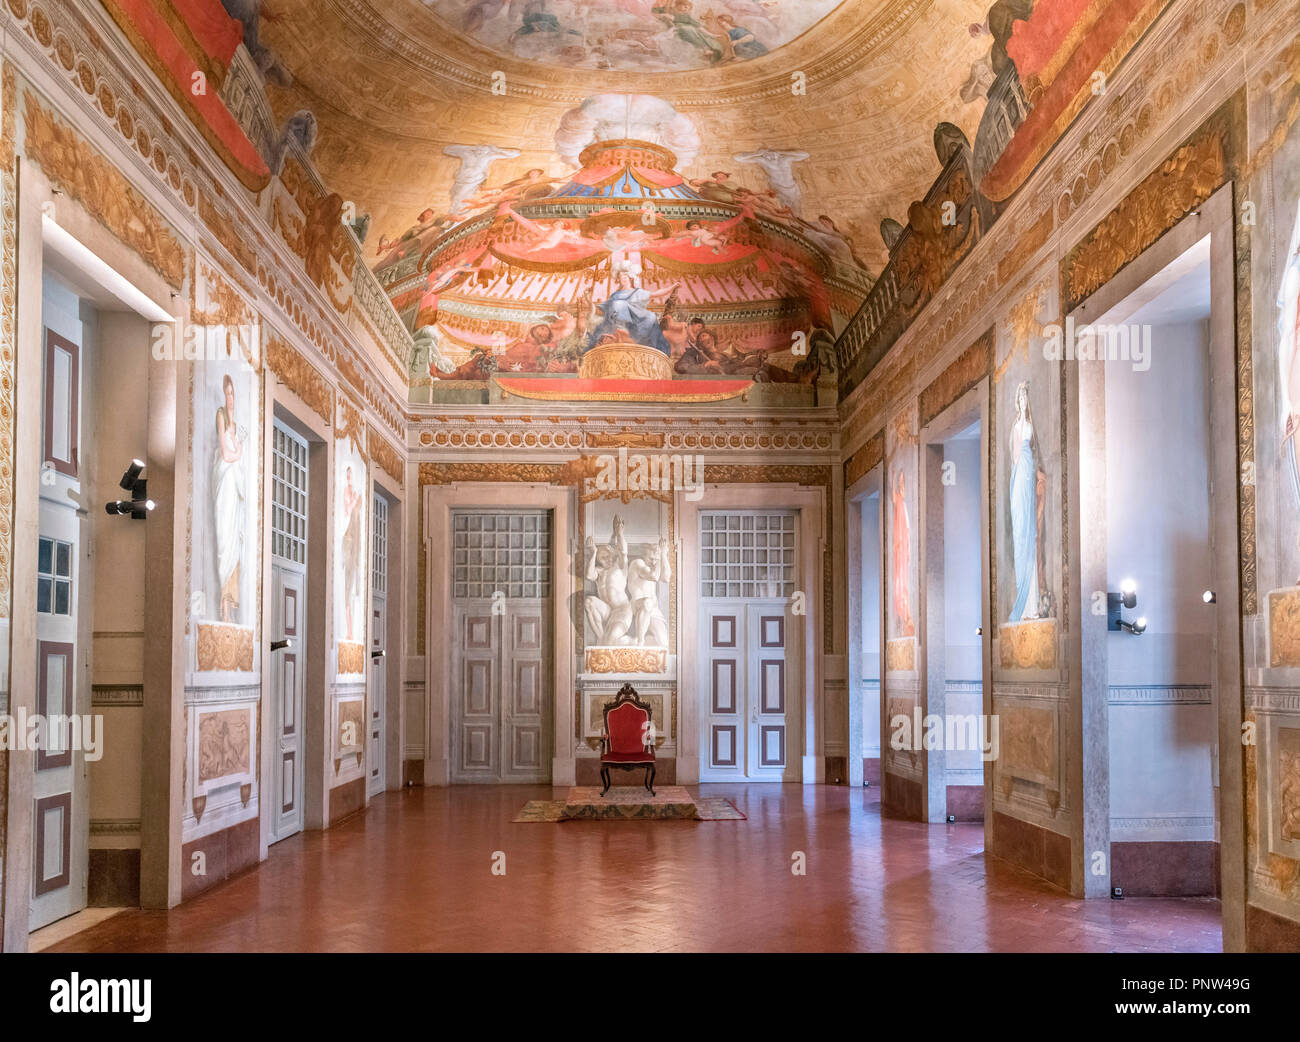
[
  {"x": 527, "y": 274},
  {"x": 710, "y": 179},
  {"x": 391, "y": 92},
  {"x": 642, "y": 35}
]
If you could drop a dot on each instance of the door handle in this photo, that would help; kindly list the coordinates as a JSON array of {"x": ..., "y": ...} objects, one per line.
[
  {"x": 279, "y": 645},
  {"x": 375, "y": 656}
]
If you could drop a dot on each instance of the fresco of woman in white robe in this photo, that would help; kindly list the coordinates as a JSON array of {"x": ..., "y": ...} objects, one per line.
[
  {"x": 228, "y": 501},
  {"x": 352, "y": 551},
  {"x": 902, "y": 558},
  {"x": 1288, "y": 327},
  {"x": 1025, "y": 509}
]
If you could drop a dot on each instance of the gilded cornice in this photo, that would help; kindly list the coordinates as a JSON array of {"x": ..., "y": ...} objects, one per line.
[
  {"x": 8, "y": 342},
  {"x": 386, "y": 458},
  {"x": 300, "y": 376},
  {"x": 71, "y": 163}
]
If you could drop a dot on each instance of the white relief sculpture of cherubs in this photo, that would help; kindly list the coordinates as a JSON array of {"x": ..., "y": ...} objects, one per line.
[
  {"x": 609, "y": 612},
  {"x": 643, "y": 578}
]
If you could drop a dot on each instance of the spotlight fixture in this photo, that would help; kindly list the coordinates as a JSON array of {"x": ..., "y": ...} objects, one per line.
[
  {"x": 1209, "y": 597},
  {"x": 280, "y": 645},
  {"x": 132, "y": 474},
  {"x": 139, "y": 505},
  {"x": 137, "y": 509},
  {"x": 1115, "y": 605}
]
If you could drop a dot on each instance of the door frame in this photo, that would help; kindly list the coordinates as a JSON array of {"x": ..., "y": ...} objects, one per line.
[
  {"x": 439, "y": 502},
  {"x": 971, "y": 407},
  {"x": 855, "y": 499},
  {"x": 810, "y": 505},
  {"x": 280, "y": 403},
  {"x": 43, "y": 219},
  {"x": 1085, "y": 435}
]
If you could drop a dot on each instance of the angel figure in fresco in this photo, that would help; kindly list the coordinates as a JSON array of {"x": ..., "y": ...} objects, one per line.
[
  {"x": 1028, "y": 483},
  {"x": 902, "y": 530},
  {"x": 1288, "y": 328},
  {"x": 609, "y": 612},
  {"x": 679, "y": 15},
  {"x": 534, "y": 182},
  {"x": 738, "y": 42},
  {"x": 351, "y": 551},
  {"x": 228, "y": 501}
]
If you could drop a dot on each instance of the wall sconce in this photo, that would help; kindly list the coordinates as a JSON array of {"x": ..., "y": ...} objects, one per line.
[
  {"x": 280, "y": 645},
  {"x": 1115, "y": 605},
  {"x": 139, "y": 505}
]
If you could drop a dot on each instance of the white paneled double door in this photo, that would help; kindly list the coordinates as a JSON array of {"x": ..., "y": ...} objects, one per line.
[
  {"x": 501, "y": 698},
  {"x": 751, "y": 691}
]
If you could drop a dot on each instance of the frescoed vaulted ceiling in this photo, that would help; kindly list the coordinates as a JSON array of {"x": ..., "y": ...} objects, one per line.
[
  {"x": 393, "y": 83},
  {"x": 723, "y": 182}
]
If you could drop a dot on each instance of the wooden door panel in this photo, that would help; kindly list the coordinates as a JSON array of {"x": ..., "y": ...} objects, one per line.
[{"x": 287, "y": 596}]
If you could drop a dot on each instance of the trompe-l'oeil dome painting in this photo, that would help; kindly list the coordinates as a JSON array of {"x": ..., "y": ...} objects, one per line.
[
  {"x": 635, "y": 35},
  {"x": 623, "y": 268}
]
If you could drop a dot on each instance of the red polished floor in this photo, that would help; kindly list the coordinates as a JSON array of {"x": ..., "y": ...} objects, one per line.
[{"x": 414, "y": 874}]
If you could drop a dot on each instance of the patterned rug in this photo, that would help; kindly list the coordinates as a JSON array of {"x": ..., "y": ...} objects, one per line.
[{"x": 625, "y": 803}]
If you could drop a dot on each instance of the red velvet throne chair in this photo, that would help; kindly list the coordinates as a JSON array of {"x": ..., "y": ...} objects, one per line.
[{"x": 628, "y": 741}]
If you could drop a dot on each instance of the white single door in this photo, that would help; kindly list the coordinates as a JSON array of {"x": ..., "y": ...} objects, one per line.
[
  {"x": 376, "y": 778},
  {"x": 61, "y": 823},
  {"x": 288, "y": 622}
]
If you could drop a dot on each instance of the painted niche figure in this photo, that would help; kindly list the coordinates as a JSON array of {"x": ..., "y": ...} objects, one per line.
[
  {"x": 626, "y": 310},
  {"x": 1288, "y": 328},
  {"x": 228, "y": 501},
  {"x": 351, "y": 551},
  {"x": 902, "y": 557},
  {"x": 1026, "y": 510}
]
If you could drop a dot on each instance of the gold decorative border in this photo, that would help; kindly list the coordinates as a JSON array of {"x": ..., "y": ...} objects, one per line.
[
  {"x": 8, "y": 342},
  {"x": 968, "y": 369},
  {"x": 872, "y": 453},
  {"x": 387, "y": 458},
  {"x": 1171, "y": 191},
  {"x": 301, "y": 377},
  {"x": 351, "y": 424},
  {"x": 71, "y": 163}
]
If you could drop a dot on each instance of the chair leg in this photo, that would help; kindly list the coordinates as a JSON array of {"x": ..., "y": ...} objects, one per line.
[
  {"x": 650, "y": 779},
  {"x": 604, "y": 776}
]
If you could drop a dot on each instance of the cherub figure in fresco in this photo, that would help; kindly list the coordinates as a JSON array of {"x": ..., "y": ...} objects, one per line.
[
  {"x": 714, "y": 237},
  {"x": 544, "y": 237}
]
